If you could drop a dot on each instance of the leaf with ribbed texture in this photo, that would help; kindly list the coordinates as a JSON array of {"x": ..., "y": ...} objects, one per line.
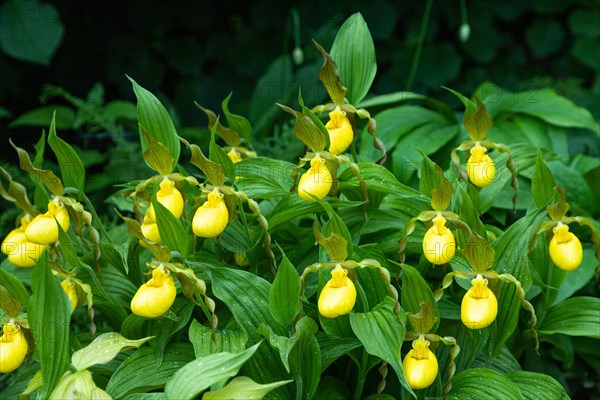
[
  {"x": 228, "y": 339},
  {"x": 71, "y": 166},
  {"x": 103, "y": 349},
  {"x": 536, "y": 386},
  {"x": 333, "y": 347},
  {"x": 202, "y": 373},
  {"x": 542, "y": 182},
  {"x": 139, "y": 373},
  {"x": 154, "y": 118},
  {"x": 380, "y": 179},
  {"x": 354, "y": 53},
  {"x": 511, "y": 249},
  {"x": 47, "y": 177},
  {"x": 14, "y": 286},
  {"x": 382, "y": 334},
  {"x": 416, "y": 291},
  {"x": 49, "y": 314},
  {"x": 483, "y": 384},
  {"x": 577, "y": 316},
  {"x": 172, "y": 233},
  {"x": 243, "y": 388},
  {"x": 247, "y": 296},
  {"x": 284, "y": 296}
]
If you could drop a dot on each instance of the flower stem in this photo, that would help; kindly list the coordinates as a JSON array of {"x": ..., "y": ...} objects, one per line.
[
  {"x": 362, "y": 376},
  {"x": 420, "y": 40}
]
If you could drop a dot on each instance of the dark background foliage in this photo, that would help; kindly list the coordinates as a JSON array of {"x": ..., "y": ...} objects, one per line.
[{"x": 200, "y": 51}]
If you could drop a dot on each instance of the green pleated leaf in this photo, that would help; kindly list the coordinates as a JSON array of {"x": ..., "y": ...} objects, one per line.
[
  {"x": 247, "y": 296},
  {"x": 542, "y": 182},
  {"x": 202, "y": 373},
  {"x": 382, "y": 334},
  {"x": 146, "y": 396},
  {"x": 140, "y": 373},
  {"x": 284, "y": 296},
  {"x": 300, "y": 354},
  {"x": 172, "y": 233},
  {"x": 49, "y": 315},
  {"x": 306, "y": 130},
  {"x": 164, "y": 328},
  {"x": 243, "y": 388},
  {"x": 331, "y": 388},
  {"x": 511, "y": 249},
  {"x": 483, "y": 384},
  {"x": 354, "y": 53},
  {"x": 536, "y": 386},
  {"x": 333, "y": 347},
  {"x": 236, "y": 122},
  {"x": 228, "y": 339},
  {"x": 154, "y": 118},
  {"x": 103, "y": 349},
  {"x": 71, "y": 167},
  {"x": 14, "y": 286},
  {"x": 380, "y": 179},
  {"x": 577, "y": 316},
  {"x": 65, "y": 117},
  {"x": 417, "y": 291}
]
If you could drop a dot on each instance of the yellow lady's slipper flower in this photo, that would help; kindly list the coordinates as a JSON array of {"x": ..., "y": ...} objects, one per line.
[
  {"x": 317, "y": 180},
  {"x": 156, "y": 296},
  {"x": 480, "y": 167},
  {"x": 71, "y": 291},
  {"x": 150, "y": 231},
  {"x": 438, "y": 243},
  {"x": 234, "y": 156},
  {"x": 212, "y": 217},
  {"x": 565, "y": 248},
  {"x": 169, "y": 197},
  {"x": 13, "y": 347},
  {"x": 339, "y": 294},
  {"x": 479, "y": 307},
  {"x": 420, "y": 365},
  {"x": 43, "y": 228},
  {"x": 20, "y": 251},
  {"x": 340, "y": 131}
]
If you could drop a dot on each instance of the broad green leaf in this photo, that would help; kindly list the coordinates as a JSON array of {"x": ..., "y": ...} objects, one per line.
[
  {"x": 172, "y": 233},
  {"x": 140, "y": 373},
  {"x": 300, "y": 354},
  {"x": 354, "y": 53},
  {"x": 382, "y": 333},
  {"x": 154, "y": 118},
  {"x": 65, "y": 117},
  {"x": 378, "y": 178},
  {"x": 71, "y": 167},
  {"x": 541, "y": 103},
  {"x": 542, "y": 182},
  {"x": 218, "y": 156},
  {"x": 505, "y": 362},
  {"x": 478, "y": 123},
  {"x": 511, "y": 250},
  {"x": 30, "y": 31},
  {"x": 577, "y": 316},
  {"x": 247, "y": 296},
  {"x": 284, "y": 296},
  {"x": 417, "y": 291},
  {"x": 47, "y": 177},
  {"x": 200, "y": 374},
  {"x": 333, "y": 347},
  {"x": 479, "y": 253},
  {"x": 243, "y": 388},
  {"x": 400, "y": 97},
  {"x": 536, "y": 386},
  {"x": 577, "y": 279},
  {"x": 49, "y": 315},
  {"x": 331, "y": 388},
  {"x": 165, "y": 328},
  {"x": 274, "y": 171},
  {"x": 483, "y": 384},
  {"x": 228, "y": 339},
  {"x": 103, "y": 349},
  {"x": 146, "y": 396},
  {"x": 116, "y": 255},
  {"x": 236, "y": 122},
  {"x": 14, "y": 286}
]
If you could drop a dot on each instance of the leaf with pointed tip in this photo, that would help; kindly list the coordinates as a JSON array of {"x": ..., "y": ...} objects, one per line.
[
  {"x": 71, "y": 167},
  {"x": 236, "y": 122},
  {"x": 230, "y": 136},
  {"x": 157, "y": 155},
  {"x": 306, "y": 130},
  {"x": 328, "y": 75},
  {"x": 47, "y": 177}
]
